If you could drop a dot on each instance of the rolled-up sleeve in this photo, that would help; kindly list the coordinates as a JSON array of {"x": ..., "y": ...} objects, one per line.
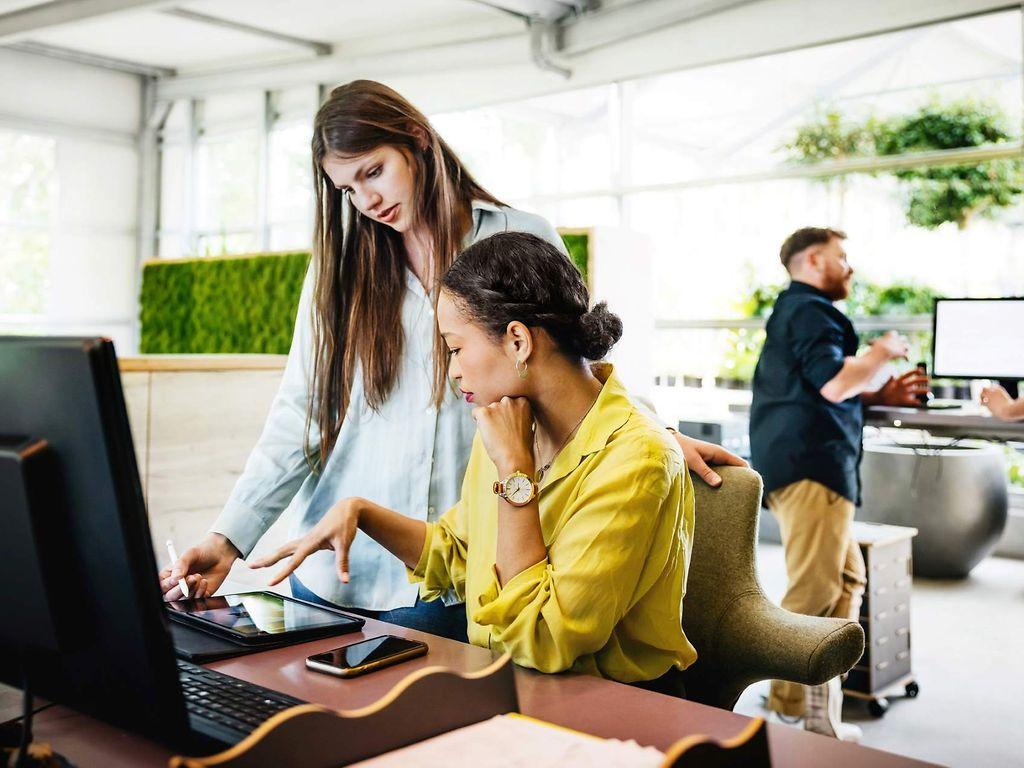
[
  {"x": 442, "y": 563},
  {"x": 817, "y": 343},
  {"x": 277, "y": 465},
  {"x": 568, "y": 604}
]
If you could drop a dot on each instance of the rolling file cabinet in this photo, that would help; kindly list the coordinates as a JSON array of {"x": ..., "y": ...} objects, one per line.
[{"x": 884, "y": 669}]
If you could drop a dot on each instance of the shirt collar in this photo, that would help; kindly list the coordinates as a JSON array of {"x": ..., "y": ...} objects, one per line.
[
  {"x": 478, "y": 209},
  {"x": 610, "y": 411},
  {"x": 796, "y": 286},
  {"x": 482, "y": 205}
]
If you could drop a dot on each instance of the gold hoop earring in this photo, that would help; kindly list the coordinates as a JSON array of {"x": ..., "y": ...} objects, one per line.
[{"x": 522, "y": 371}]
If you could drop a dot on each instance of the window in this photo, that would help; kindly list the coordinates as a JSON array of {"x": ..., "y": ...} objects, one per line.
[
  {"x": 235, "y": 174},
  {"x": 290, "y": 196},
  {"x": 28, "y": 190}
]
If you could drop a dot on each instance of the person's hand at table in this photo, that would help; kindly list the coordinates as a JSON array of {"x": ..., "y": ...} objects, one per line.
[
  {"x": 701, "y": 456},
  {"x": 900, "y": 390},
  {"x": 335, "y": 531},
  {"x": 1001, "y": 405},
  {"x": 203, "y": 566}
]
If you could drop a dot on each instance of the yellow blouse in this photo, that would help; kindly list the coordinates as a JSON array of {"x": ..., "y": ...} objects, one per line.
[{"x": 616, "y": 510}]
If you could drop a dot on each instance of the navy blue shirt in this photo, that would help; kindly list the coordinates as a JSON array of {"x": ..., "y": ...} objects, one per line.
[{"x": 795, "y": 433}]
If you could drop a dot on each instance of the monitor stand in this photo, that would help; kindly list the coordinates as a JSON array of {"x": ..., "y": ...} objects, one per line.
[{"x": 1010, "y": 385}]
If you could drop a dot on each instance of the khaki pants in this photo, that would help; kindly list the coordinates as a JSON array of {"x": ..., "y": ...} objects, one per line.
[{"x": 823, "y": 563}]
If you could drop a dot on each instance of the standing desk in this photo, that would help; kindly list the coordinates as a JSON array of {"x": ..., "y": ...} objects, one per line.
[
  {"x": 969, "y": 421},
  {"x": 585, "y": 703}
]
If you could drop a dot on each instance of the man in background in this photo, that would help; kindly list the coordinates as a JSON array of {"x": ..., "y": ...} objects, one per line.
[{"x": 806, "y": 420}]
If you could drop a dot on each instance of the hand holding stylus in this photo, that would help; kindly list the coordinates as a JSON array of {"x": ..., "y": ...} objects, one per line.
[{"x": 202, "y": 567}]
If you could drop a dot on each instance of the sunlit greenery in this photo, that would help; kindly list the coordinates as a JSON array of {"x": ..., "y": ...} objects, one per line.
[{"x": 931, "y": 196}]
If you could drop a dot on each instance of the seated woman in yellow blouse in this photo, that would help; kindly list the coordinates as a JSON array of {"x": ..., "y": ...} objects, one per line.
[{"x": 588, "y": 571}]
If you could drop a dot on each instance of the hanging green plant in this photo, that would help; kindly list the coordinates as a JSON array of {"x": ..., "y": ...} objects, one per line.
[
  {"x": 958, "y": 193},
  {"x": 831, "y": 136},
  {"x": 931, "y": 196}
]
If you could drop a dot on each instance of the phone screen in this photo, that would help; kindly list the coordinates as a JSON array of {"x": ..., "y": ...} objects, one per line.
[{"x": 366, "y": 652}]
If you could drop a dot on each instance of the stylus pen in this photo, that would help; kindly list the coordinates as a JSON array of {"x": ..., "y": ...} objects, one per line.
[{"x": 182, "y": 584}]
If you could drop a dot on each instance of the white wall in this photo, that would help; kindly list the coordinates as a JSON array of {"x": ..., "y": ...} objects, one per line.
[{"x": 94, "y": 116}]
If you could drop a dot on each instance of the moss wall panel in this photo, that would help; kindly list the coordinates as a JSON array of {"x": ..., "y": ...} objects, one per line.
[{"x": 239, "y": 305}]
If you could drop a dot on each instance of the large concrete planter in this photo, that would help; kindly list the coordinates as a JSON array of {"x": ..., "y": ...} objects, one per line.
[{"x": 953, "y": 492}]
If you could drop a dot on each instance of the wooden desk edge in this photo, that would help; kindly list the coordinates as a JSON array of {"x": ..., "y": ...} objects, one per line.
[{"x": 182, "y": 363}]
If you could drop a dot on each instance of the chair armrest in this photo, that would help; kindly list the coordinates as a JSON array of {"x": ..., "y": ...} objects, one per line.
[
  {"x": 756, "y": 640},
  {"x": 759, "y": 638}
]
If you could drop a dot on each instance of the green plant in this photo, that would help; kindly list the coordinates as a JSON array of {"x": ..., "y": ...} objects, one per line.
[
  {"x": 578, "y": 246},
  {"x": 1014, "y": 467},
  {"x": 742, "y": 349},
  {"x": 830, "y": 136},
  {"x": 932, "y": 195},
  {"x": 958, "y": 193},
  {"x": 760, "y": 298},
  {"x": 241, "y": 304},
  {"x": 870, "y": 299},
  {"x": 234, "y": 305}
]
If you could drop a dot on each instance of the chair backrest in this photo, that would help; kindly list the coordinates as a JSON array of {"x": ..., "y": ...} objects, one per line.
[
  {"x": 722, "y": 566},
  {"x": 740, "y": 635},
  {"x": 721, "y": 579}
]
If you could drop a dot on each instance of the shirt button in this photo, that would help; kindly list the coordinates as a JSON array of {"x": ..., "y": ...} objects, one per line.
[{"x": 431, "y": 511}]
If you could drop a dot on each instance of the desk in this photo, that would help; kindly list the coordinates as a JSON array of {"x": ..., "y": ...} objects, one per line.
[
  {"x": 969, "y": 421},
  {"x": 582, "y": 702}
]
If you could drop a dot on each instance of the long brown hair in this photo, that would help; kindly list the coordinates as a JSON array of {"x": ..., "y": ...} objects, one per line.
[{"x": 359, "y": 263}]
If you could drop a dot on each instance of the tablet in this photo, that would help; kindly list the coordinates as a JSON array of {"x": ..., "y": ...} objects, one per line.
[{"x": 255, "y": 618}]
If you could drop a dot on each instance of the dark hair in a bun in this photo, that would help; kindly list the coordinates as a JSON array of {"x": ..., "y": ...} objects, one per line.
[{"x": 518, "y": 276}]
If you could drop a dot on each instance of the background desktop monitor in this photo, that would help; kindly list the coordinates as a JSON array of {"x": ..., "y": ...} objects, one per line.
[
  {"x": 978, "y": 339},
  {"x": 115, "y": 658}
]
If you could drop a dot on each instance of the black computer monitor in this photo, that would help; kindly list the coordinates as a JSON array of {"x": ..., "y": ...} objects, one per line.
[
  {"x": 979, "y": 339},
  {"x": 115, "y": 659}
]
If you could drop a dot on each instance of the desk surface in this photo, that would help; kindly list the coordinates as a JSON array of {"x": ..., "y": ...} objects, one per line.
[
  {"x": 969, "y": 421},
  {"x": 582, "y": 702}
]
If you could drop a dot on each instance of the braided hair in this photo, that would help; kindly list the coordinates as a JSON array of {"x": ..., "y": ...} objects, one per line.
[{"x": 518, "y": 276}]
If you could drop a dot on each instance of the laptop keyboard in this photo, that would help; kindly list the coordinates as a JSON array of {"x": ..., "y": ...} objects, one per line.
[{"x": 232, "y": 703}]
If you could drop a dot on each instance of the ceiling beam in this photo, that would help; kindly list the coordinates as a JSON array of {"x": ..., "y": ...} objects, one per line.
[
  {"x": 474, "y": 60},
  {"x": 24, "y": 22},
  {"x": 91, "y": 59},
  {"x": 625, "y": 22},
  {"x": 320, "y": 49},
  {"x": 548, "y": 10}
]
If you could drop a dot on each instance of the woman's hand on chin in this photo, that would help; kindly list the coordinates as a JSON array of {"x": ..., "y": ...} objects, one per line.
[
  {"x": 506, "y": 428},
  {"x": 336, "y": 530}
]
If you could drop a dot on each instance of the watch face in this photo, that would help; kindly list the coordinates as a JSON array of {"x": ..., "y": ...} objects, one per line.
[{"x": 518, "y": 489}]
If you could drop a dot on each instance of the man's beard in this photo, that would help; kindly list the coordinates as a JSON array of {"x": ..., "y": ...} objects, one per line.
[{"x": 839, "y": 290}]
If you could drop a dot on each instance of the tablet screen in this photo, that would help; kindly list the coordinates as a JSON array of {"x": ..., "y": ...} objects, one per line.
[{"x": 259, "y": 613}]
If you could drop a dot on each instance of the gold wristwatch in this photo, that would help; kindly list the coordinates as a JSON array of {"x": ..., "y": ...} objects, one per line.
[{"x": 518, "y": 489}]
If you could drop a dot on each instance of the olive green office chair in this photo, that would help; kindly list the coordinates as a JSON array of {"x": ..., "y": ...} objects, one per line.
[{"x": 742, "y": 637}]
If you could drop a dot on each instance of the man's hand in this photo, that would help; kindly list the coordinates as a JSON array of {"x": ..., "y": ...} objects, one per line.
[
  {"x": 903, "y": 390},
  {"x": 699, "y": 455},
  {"x": 204, "y": 568},
  {"x": 892, "y": 345}
]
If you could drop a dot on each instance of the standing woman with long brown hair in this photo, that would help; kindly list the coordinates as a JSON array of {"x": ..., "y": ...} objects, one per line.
[{"x": 364, "y": 408}]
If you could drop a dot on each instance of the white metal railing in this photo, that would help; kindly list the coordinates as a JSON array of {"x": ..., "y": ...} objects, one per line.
[{"x": 903, "y": 323}]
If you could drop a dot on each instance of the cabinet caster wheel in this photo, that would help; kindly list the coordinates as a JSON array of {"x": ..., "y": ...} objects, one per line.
[
  {"x": 878, "y": 707},
  {"x": 912, "y": 689}
]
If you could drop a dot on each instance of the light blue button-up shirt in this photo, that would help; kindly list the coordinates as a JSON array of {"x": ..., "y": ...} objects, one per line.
[{"x": 408, "y": 455}]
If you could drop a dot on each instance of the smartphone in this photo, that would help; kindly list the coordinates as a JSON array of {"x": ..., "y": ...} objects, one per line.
[
  {"x": 366, "y": 656},
  {"x": 923, "y": 398}
]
